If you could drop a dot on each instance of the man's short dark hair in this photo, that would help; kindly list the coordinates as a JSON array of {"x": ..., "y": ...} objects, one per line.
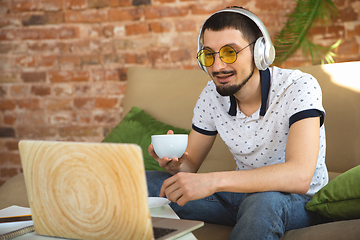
[{"x": 232, "y": 20}]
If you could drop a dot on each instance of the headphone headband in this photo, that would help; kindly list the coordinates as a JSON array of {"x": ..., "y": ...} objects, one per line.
[{"x": 264, "y": 52}]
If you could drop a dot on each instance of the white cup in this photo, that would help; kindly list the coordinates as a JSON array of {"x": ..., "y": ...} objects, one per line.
[{"x": 169, "y": 145}]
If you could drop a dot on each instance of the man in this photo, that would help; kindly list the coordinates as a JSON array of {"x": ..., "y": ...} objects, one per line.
[{"x": 272, "y": 121}]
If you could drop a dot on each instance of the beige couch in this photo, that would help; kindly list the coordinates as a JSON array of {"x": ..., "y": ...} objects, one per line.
[{"x": 170, "y": 96}]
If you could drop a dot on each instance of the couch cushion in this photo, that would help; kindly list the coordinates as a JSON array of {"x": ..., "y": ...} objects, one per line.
[
  {"x": 340, "y": 198},
  {"x": 13, "y": 192},
  {"x": 137, "y": 127}
]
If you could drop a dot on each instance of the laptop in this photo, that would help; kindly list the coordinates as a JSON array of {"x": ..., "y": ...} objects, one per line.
[{"x": 91, "y": 191}]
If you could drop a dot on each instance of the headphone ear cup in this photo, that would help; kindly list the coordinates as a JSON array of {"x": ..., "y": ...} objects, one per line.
[{"x": 259, "y": 54}]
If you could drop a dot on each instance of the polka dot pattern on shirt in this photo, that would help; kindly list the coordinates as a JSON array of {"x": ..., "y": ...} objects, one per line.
[{"x": 256, "y": 140}]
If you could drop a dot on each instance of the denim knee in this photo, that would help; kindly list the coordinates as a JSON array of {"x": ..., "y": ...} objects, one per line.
[
  {"x": 155, "y": 180},
  {"x": 270, "y": 214}
]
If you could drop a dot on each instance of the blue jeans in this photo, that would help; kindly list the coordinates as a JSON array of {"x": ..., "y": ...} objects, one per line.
[{"x": 265, "y": 215}]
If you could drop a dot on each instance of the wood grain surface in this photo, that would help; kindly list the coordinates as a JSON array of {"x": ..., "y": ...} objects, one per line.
[{"x": 86, "y": 190}]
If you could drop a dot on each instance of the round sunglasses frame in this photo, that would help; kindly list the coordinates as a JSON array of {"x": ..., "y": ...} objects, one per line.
[{"x": 202, "y": 52}]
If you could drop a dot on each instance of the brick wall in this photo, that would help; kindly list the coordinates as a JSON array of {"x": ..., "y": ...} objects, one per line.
[{"x": 63, "y": 63}]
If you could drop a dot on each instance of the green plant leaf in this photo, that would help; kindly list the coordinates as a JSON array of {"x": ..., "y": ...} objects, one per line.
[{"x": 294, "y": 35}]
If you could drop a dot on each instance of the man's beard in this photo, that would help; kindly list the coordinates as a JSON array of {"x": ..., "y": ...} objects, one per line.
[{"x": 228, "y": 90}]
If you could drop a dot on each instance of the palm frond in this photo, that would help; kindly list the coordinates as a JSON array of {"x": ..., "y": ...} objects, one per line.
[{"x": 294, "y": 35}]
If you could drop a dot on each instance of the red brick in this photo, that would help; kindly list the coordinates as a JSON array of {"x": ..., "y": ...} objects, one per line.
[
  {"x": 55, "y": 104},
  {"x": 5, "y": 6},
  {"x": 6, "y": 20},
  {"x": 111, "y": 58},
  {"x": 33, "y": 76},
  {"x": 114, "y": 88},
  {"x": 8, "y": 77},
  {"x": 69, "y": 61},
  {"x": 52, "y": 5},
  {"x": 111, "y": 74},
  {"x": 98, "y": 75},
  {"x": 123, "y": 74},
  {"x": 134, "y": 58},
  {"x": 69, "y": 76},
  {"x": 38, "y": 34},
  {"x": 7, "y": 132},
  {"x": 349, "y": 47},
  {"x": 160, "y": 27},
  {"x": 25, "y": 5},
  {"x": 348, "y": 14},
  {"x": 29, "y": 34},
  {"x": 40, "y": 90},
  {"x": 76, "y": 131},
  {"x": 141, "y": 2},
  {"x": 105, "y": 102},
  {"x": 120, "y": 3},
  {"x": 105, "y": 118},
  {"x": 48, "y": 33},
  {"x": 42, "y": 19},
  {"x": 90, "y": 60},
  {"x": 185, "y": 25},
  {"x": 76, "y": 4},
  {"x": 161, "y": 55},
  {"x": 12, "y": 145},
  {"x": 19, "y": 90},
  {"x": 29, "y": 103},
  {"x": 8, "y": 34},
  {"x": 88, "y": 16},
  {"x": 8, "y": 172},
  {"x": 126, "y": 14},
  {"x": 353, "y": 33},
  {"x": 3, "y": 91},
  {"x": 84, "y": 103},
  {"x": 166, "y": 1},
  {"x": 63, "y": 90},
  {"x": 7, "y": 47},
  {"x": 47, "y": 60},
  {"x": 331, "y": 32},
  {"x": 270, "y": 5},
  {"x": 34, "y": 117},
  {"x": 83, "y": 89},
  {"x": 37, "y": 132},
  {"x": 200, "y": 9},
  {"x": 84, "y": 117},
  {"x": 98, "y": 3},
  {"x": 69, "y": 32},
  {"x": 63, "y": 117},
  {"x": 108, "y": 31},
  {"x": 9, "y": 158},
  {"x": 137, "y": 28},
  {"x": 180, "y": 55},
  {"x": 26, "y": 61},
  {"x": 53, "y": 47},
  {"x": 86, "y": 46},
  {"x": 162, "y": 12},
  {"x": 9, "y": 118},
  {"x": 7, "y": 104}
]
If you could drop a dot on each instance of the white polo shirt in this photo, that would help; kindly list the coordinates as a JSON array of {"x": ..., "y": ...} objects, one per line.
[{"x": 260, "y": 139}]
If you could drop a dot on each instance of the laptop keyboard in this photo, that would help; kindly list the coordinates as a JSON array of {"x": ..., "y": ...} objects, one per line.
[{"x": 160, "y": 232}]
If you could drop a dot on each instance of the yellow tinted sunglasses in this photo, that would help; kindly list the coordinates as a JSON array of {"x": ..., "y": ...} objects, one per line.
[{"x": 227, "y": 54}]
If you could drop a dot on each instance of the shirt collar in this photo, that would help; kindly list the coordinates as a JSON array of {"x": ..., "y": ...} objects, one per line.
[{"x": 265, "y": 87}]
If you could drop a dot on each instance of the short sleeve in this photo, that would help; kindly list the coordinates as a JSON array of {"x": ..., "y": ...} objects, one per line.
[
  {"x": 306, "y": 99},
  {"x": 203, "y": 112}
]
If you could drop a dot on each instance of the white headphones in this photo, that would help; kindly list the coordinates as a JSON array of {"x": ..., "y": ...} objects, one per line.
[{"x": 264, "y": 51}]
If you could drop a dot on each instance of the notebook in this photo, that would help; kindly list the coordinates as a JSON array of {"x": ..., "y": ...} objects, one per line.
[{"x": 91, "y": 191}]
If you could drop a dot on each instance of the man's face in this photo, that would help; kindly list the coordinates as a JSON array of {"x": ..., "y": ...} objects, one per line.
[{"x": 229, "y": 78}]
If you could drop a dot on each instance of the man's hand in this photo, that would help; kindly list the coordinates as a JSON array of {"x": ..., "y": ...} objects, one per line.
[
  {"x": 184, "y": 187},
  {"x": 171, "y": 166}
]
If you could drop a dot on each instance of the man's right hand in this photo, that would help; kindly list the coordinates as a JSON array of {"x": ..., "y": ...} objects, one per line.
[{"x": 171, "y": 166}]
